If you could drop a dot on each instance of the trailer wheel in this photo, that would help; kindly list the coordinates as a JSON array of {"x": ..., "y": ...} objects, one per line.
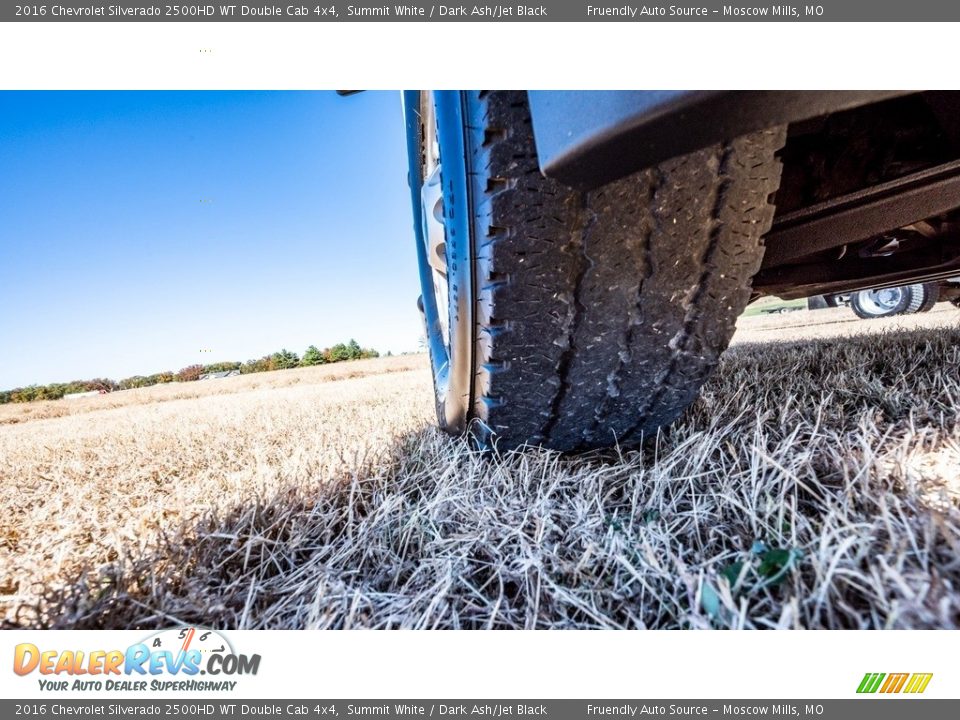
[{"x": 885, "y": 302}]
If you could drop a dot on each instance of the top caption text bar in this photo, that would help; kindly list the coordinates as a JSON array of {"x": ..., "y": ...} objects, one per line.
[{"x": 549, "y": 11}]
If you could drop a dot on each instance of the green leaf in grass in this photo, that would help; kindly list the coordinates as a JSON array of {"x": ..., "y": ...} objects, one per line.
[
  {"x": 775, "y": 563},
  {"x": 731, "y": 572}
]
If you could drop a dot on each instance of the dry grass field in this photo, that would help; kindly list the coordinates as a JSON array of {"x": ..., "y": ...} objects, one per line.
[{"x": 815, "y": 484}]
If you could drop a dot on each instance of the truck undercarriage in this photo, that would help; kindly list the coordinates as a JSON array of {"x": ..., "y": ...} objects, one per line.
[{"x": 868, "y": 198}]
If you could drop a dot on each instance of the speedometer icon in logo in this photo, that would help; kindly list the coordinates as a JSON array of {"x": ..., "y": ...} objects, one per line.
[
  {"x": 181, "y": 640},
  {"x": 191, "y": 650}
]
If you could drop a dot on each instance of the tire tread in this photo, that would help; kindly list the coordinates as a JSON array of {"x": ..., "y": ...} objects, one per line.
[{"x": 600, "y": 314}]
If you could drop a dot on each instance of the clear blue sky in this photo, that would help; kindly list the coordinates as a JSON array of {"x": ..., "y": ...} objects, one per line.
[{"x": 139, "y": 228}]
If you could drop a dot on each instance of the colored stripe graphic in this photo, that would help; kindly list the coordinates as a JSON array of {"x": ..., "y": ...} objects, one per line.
[
  {"x": 870, "y": 683},
  {"x": 918, "y": 682},
  {"x": 894, "y": 683},
  {"x": 900, "y": 684}
]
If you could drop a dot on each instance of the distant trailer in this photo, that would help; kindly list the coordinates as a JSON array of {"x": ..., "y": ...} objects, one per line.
[
  {"x": 75, "y": 396},
  {"x": 218, "y": 375}
]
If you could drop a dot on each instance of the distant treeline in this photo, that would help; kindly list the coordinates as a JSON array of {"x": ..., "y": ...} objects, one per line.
[{"x": 281, "y": 360}]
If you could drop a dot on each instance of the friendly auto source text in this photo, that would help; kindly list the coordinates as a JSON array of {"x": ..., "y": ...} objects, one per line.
[{"x": 640, "y": 11}]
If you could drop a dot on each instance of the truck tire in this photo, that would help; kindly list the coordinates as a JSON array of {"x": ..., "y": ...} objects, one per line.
[
  {"x": 930, "y": 294},
  {"x": 596, "y": 316}
]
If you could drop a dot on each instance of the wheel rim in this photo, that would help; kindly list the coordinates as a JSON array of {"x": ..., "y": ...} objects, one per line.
[
  {"x": 431, "y": 213},
  {"x": 438, "y": 184},
  {"x": 881, "y": 302}
]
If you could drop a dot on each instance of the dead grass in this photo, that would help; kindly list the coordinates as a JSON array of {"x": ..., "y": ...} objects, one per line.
[
  {"x": 813, "y": 484},
  {"x": 22, "y": 412}
]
